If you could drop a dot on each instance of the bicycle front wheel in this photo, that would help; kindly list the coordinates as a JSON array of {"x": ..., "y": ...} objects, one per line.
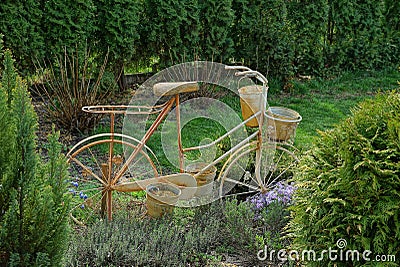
[{"x": 238, "y": 172}]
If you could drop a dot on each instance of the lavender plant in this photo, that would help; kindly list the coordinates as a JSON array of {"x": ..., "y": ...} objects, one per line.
[
  {"x": 281, "y": 194},
  {"x": 270, "y": 212}
]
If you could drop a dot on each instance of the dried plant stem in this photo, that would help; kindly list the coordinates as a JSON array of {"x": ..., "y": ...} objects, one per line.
[{"x": 68, "y": 85}]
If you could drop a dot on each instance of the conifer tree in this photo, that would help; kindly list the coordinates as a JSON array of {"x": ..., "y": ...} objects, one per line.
[
  {"x": 216, "y": 18},
  {"x": 33, "y": 203},
  {"x": 164, "y": 30},
  {"x": 67, "y": 24},
  {"x": 6, "y": 143},
  {"x": 9, "y": 76},
  {"x": 117, "y": 32},
  {"x": 22, "y": 174},
  {"x": 22, "y": 26}
]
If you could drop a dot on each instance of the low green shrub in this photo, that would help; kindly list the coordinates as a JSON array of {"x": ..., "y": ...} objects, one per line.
[
  {"x": 190, "y": 237},
  {"x": 349, "y": 187}
]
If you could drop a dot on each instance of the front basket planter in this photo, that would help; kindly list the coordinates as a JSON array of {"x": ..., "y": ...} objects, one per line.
[
  {"x": 161, "y": 198},
  {"x": 282, "y": 123},
  {"x": 250, "y": 103}
]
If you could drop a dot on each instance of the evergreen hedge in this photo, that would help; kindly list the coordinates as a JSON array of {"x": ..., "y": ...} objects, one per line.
[{"x": 283, "y": 38}]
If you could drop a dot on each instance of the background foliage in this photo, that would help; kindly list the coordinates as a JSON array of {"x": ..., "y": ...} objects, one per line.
[{"x": 285, "y": 38}]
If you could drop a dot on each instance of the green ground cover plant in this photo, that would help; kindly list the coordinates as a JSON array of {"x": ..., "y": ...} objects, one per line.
[
  {"x": 348, "y": 185},
  {"x": 184, "y": 238}
]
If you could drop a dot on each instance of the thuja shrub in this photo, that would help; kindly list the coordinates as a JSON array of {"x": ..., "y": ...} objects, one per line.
[
  {"x": 349, "y": 187},
  {"x": 33, "y": 204}
]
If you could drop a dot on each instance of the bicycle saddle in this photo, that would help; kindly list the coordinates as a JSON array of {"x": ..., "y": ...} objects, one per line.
[{"x": 174, "y": 88}]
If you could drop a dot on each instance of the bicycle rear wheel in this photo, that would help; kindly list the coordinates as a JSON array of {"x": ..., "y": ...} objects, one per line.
[{"x": 94, "y": 166}]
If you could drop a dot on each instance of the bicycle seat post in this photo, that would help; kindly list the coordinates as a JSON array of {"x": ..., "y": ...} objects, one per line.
[
  {"x": 174, "y": 89},
  {"x": 178, "y": 126},
  {"x": 112, "y": 124}
]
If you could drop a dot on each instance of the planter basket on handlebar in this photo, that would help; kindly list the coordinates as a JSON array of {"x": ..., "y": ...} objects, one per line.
[
  {"x": 250, "y": 102},
  {"x": 282, "y": 122}
]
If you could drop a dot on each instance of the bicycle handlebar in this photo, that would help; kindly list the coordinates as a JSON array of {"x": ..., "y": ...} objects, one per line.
[
  {"x": 245, "y": 71},
  {"x": 236, "y": 68}
]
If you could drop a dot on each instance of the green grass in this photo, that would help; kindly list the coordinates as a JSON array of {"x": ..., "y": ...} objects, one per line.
[
  {"x": 197, "y": 131},
  {"x": 323, "y": 103}
]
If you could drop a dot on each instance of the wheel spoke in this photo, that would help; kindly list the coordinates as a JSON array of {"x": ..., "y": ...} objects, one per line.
[
  {"x": 276, "y": 165},
  {"x": 87, "y": 200},
  {"x": 242, "y": 193},
  {"x": 277, "y": 178},
  {"x": 241, "y": 183},
  {"x": 94, "y": 158},
  {"x": 88, "y": 170},
  {"x": 91, "y": 189}
]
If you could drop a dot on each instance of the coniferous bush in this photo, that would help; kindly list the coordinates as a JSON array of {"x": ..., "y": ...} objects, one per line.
[
  {"x": 172, "y": 31},
  {"x": 306, "y": 37},
  {"x": 216, "y": 18},
  {"x": 66, "y": 24},
  {"x": 117, "y": 33},
  {"x": 23, "y": 31},
  {"x": 262, "y": 37},
  {"x": 349, "y": 187},
  {"x": 33, "y": 206},
  {"x": 6, "y": 144}
]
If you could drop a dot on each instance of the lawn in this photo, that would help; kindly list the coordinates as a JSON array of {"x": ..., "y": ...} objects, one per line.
[{"x": 323, "y": 103}]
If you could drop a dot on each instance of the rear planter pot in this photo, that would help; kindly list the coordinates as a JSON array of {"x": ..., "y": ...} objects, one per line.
[{"x": 282, "y": 123}]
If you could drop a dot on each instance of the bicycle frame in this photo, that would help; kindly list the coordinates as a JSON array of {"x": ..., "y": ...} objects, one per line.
[
  {"x": 163, "y": 111},
  {"x": 110, "y": 181},
  {"x": 245, "y": 72}
]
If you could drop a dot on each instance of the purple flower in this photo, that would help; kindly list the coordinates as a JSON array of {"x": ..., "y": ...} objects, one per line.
[{"x": 282, "y": 193}]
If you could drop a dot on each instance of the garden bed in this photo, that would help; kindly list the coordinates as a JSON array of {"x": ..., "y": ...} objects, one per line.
[{"x": 213, "y": 237}]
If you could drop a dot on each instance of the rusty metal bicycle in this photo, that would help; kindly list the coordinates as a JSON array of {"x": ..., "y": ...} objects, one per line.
[{"x": 107, "y": 167}]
